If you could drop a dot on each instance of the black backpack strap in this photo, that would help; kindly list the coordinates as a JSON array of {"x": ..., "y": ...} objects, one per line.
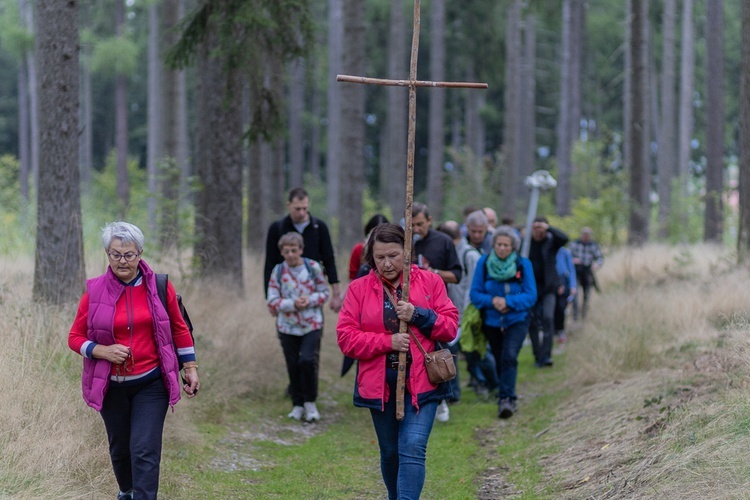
[{"x": 161, "y": 288}]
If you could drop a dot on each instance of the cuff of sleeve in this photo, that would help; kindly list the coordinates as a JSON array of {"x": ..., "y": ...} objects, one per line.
[
  {"x": 88, "y": 349},
  {"x": 421, "y": 317}
]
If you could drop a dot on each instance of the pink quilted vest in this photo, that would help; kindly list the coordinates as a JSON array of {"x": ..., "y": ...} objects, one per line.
[{"x": 104, "y": 291}]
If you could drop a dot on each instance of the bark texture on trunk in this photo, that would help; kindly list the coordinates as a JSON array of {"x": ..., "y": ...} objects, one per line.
[
  {"x": 714, "y": 221},
  {"x": 59, "y": 266},
  {"x": 638, "y": 225},
  {"x": 353, "y": 127},
  {"x": 218, "y": 249}
]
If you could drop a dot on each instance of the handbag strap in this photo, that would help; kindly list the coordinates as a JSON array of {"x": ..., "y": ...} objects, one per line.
[{"x": 419, "y": 344}]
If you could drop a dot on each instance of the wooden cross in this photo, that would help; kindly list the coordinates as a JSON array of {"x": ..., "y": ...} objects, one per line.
[{"x": 412, "y": 83}]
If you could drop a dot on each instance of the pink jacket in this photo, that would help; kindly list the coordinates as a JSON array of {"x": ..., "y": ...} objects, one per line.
[
  {"x": 103, "y": 293},
  {"x": 363, "y": 336}
]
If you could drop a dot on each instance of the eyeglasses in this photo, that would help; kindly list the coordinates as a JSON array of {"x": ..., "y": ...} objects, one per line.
[{"x": 117, "y": 257}]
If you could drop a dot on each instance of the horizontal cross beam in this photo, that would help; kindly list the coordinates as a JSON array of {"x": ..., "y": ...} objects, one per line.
[{"x": 409, "y": 83}]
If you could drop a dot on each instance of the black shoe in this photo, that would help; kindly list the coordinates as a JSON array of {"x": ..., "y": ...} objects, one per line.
[
  {"x": 506, "y": 408},
  {"x": 548, "y": 363},
  {"x": 126, "y": 495}
]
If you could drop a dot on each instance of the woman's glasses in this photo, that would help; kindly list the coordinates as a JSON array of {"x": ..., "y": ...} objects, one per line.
[{"x": 117, "y": 257}]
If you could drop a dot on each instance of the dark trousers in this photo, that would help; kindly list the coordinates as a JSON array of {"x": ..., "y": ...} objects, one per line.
[
  {"x": 585, "y": 280},
  {"x": 302, "y": 355},
  {"x": 506, "y": 343},
  {"x": 543, "y": 318},
  {"x": 561, "y": 304},
  {"x": 134, "y": 418}
]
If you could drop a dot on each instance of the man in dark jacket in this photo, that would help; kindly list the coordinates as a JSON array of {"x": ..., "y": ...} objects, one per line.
[
  {"x": 545, "y": 242},
  {"x": 317, "y": 240}
]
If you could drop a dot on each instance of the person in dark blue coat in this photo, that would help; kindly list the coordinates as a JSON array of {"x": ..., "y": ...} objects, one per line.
[{"x": 504, "y": 290}]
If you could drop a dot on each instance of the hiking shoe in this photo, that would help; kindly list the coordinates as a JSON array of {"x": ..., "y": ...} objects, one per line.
[
  {"x": 443, "y": 413},
  {"x": 311, "y": 412},
  {"x": 296, "y": 413},
  {"x": 125, "y": 495},
  {"x": 506, "y": 408}
]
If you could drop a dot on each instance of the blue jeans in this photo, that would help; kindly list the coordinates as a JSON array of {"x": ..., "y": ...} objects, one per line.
[
  {"x": 134, "y": 418},
  {"x": 403, "y": 445},
  {"x": 506, "y": 343},
  {"x": 483, "y": 369},
  {"x": 455, "y": 384}
]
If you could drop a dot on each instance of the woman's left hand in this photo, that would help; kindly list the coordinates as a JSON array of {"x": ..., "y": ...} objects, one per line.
[
  {"x": 192, "y": 384},
  {"x": 404, "y": 311}
]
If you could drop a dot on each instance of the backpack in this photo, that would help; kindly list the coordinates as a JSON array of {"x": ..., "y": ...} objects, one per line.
[{"x": 161, "y": 288}]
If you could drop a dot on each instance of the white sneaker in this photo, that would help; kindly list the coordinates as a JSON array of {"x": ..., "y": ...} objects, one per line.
[
  {"x": 296, "y": 413},
  {"x": 311, "y": 412},
  {"x": 443, "y": 412}
]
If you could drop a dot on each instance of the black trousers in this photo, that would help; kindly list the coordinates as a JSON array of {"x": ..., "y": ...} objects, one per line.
[
  {"x": 134, "y": 418},
  {"x": 302, "y": 355}
]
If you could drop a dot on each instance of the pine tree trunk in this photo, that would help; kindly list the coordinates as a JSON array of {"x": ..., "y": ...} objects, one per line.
[
  {"x": 667, "y": 144},
  {"x": 528, "y": 103},
  {"x": 743, "y": 239},
  {"x": 59, "y": 265},
  {"x": 353, "y": 127},
  {"x": 333, "y": 155},
  {"x": 86, "y": 140},
  {"x": 168, "y": 169},
  {"x": 154, "y": 140},
  {"x": 218, "y": 248},
  {"x": 393, "y": 184},
  {"x": 24, "y": 132},
  {"x": 714, "y": 221},
  {"x": 564, "y": 169},
  {"x": 687, "y": 79},
  {"x": 296, "y": 87},
  {"x": 121, "y": 121},
  {"x": 577, "y": 31},
  {"x": 27, "y": 19},
  {"x": 638, "y": 225},
  {"x": 512, "y": 115},
  {"x": 436, "y": 140}
]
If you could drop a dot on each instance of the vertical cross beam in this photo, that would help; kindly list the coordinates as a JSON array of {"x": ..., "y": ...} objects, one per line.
[{"x": 412, "y": 83}]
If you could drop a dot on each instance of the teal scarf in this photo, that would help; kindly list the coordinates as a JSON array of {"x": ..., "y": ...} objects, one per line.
[{"x": 501, "y": 269}]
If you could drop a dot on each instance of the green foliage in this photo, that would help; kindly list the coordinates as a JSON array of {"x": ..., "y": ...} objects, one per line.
[
  {"x": 471, "y": 181},
  {"x": 102, "y": 205},
  {"x": 14, "y": 37},
  {"x": 16, "y": 214},
  {"x": 115, "y": 56},
  {"x": 245, "y": 35}
]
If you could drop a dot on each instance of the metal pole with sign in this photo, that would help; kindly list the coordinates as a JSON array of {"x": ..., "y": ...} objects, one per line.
[{"x": 541, "y": 180}]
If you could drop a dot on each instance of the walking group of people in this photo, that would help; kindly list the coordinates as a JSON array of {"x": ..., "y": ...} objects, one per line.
[
  {"x": 138, "y": 350},
  {"x": 455, "y": 267}
]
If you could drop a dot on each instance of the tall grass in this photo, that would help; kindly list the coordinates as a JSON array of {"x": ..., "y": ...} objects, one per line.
[
  {"x": 660, "y": 370},
  {"x": 51, "y": 444},
  {"x": 655, "y": 300}
]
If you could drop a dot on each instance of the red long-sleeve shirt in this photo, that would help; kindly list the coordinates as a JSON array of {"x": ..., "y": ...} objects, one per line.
[{"x": 131, "y": 311}]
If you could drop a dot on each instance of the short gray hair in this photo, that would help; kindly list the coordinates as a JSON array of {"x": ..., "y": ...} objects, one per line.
[
  {"x": 477, "y": 218},
  {"x": 292, "y": 238},
  {"x": 511, "y": 233},
  {"x": 123, "y": 231}
]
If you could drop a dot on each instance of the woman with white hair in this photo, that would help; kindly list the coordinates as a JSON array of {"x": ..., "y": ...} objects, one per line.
[
  {"x": 504, "y": 290},
  {"x": 133, "y": 349}
]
